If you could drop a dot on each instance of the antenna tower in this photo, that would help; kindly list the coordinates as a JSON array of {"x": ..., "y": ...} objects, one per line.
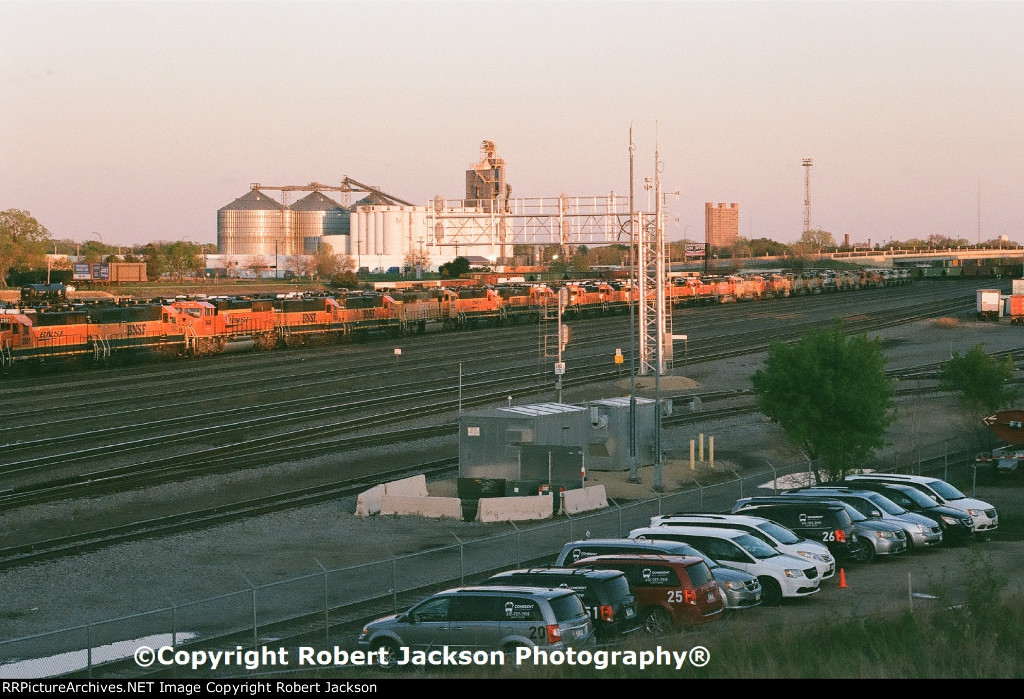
[{"x": 808, "y": 162}]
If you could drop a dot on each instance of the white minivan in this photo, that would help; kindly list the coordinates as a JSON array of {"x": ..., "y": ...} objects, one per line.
[
  {"x": 781, "y": 538},
  {"x": 781, "y": 576}
]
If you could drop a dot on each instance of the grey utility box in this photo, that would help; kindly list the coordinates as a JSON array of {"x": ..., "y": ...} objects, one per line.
[
  {"x": 509, "y": 443},
  {"x": 607, "y": 446},
  {"x": 491, "y": 441}
]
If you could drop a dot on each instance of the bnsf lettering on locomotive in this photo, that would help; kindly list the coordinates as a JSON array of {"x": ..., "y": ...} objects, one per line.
[
  {"x": 367, "y": 313},
  {"x": 136, "y": 329},
  {"x": 50, "y": 334},
  {"x": 309, "y": 318}
]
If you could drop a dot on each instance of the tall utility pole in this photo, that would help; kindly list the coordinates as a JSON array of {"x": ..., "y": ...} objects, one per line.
[
  {"x": 634, "y": 276},
  {"x": 808, "y": 162},
  {"x": 979, "y": 209}
]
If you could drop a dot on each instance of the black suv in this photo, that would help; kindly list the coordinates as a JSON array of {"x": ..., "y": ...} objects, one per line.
[
  {"x": 957, "y": 525},
  {"x": 605, "y": 595},
  {"x": 826, "y": 522}
]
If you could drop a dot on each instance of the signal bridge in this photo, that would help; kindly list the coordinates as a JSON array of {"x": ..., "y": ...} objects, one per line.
[{"x": 563, "y": 220}]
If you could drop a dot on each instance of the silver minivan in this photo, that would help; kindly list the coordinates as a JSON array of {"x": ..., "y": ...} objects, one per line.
[{"x": 483, "y": 618}]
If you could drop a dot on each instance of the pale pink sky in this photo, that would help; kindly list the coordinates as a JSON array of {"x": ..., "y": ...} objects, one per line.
[{"x": 138, "y": 120}]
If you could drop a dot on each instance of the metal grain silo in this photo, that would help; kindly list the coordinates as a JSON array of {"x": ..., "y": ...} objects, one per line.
[
  {"x": 315, "y": 216},
  {"x": 255, "y": 224}
]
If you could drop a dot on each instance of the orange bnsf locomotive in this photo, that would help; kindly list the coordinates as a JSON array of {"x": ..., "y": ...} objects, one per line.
[
  {"x": 97, "y": 331},
  {"x": 46, "y": 327}
]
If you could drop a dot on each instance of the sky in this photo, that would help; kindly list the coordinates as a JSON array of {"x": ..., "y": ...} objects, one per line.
[{"x": 135, "y": 121}]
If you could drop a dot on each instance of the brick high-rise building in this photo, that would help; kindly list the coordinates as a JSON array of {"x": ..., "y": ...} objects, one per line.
[{"x": 721, "y": 224}]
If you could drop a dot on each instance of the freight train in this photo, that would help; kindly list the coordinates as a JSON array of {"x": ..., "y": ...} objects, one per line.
[{"x": 46, "y": 327}]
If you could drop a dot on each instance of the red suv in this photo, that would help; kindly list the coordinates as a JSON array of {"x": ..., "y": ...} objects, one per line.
[{"x": 672, "y": 592}]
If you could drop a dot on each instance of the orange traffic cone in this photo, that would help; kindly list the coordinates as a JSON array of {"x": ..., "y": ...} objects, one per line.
[{"x": 842, "y": 578}]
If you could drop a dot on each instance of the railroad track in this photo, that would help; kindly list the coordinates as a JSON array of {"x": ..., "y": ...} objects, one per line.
[
  {"x": 173, "y": 524},
  {"x": 319, "y": 439},
  {"x": 133, "y": 531}
]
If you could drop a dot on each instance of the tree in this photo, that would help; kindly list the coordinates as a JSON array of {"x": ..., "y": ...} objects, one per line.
[
  {"x": 740, "y": 248},
  {"x": 816, "y": 240},
  {"x": 982, "y": 384},
  {"x": 257, "y": 264},
  {"x": 325, "y": 262},
  {"x": 762, "y": 247},
  {"x": 346, "y": 264},
  {"x": 182, "y": 258},
  {"x": 417, "y": 258},
  {"x": 455, "y": 268},
  {"x": 830, "y": 394},
  {"x": 23, "y": 243},
  {"x": 941, "y": 241}
]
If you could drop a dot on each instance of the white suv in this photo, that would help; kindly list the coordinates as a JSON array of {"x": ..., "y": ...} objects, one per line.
[
  {"x": 772, "y": 533},
  {"x": 780, "y": 575},
  {"x": 986, "y": 519}
]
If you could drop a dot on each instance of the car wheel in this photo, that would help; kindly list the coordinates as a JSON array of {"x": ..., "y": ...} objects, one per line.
[
  {"x": 388, "y": 649},
  {"x": 771, "y": 592},
  {"x": 657, "y": 622},
  {"x": 865, "y": 553}
]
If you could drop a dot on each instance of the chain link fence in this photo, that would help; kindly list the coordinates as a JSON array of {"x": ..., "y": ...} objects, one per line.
[{"x": 320, "y": 600}]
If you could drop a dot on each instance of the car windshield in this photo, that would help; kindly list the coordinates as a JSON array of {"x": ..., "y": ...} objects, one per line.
[
  {"x": 887, "y": 505},
  {"x": 946, "y": 490},
  {"x": 694, "y": 552},
  {"x": 855, "y": 515},
  {"x": 779, "y": 533},
  {"x": 922, "y": 499},
  {"x": 864, "y": 507},
  {"x": 755, "y": 547},
  {"x": 683, "y": 549}
]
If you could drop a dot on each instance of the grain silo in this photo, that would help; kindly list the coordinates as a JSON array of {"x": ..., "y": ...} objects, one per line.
[
  {"x": 255, "y": 224},
  {"x": 315, "y": 216}
]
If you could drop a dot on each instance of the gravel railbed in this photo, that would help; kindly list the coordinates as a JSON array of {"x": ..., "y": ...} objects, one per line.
[{"x": 156, "y": 573}]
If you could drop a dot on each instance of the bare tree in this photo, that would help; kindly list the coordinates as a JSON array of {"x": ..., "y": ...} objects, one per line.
[
  {"x": 417, "y": 258},
  {"x": 346, "y": 264},
  {"x": 257, "y": 264}
]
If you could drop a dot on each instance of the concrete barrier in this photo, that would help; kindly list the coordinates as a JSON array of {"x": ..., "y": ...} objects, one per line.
[
  {"x": 583, "y": 500},
  {"x": 439, "y": 508},
  {"x": 514, "y": 509},
  {"x": 368, "y": 502},
  {"x": 414, "y": 486}
]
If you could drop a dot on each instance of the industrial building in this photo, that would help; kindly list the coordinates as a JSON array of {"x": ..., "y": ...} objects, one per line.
[
  {"x": 378, "y": 232},
  {"x": 721, "y": 224}
]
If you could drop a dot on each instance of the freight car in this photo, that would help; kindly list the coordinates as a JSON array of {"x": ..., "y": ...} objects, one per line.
[{"x": 214, "y": 325}]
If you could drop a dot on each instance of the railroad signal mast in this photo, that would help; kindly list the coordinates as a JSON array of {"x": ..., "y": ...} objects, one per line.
[{"x": 568, "y": 221}]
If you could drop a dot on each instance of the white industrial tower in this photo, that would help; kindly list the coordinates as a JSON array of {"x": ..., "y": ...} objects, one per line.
[{"x": 808, "y": 162}]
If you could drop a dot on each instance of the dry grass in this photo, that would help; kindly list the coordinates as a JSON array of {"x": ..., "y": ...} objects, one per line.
[{"x": 947, "y": 322}]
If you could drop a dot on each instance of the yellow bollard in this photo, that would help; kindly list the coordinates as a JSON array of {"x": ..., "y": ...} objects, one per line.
[
  {"x": 711, "y": 450},
  {"x": 700, "y": 453},
  {"x": 692, "y": 467}
]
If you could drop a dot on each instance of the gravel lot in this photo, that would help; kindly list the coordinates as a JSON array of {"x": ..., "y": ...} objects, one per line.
[{"x": 174, "y": 570}]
